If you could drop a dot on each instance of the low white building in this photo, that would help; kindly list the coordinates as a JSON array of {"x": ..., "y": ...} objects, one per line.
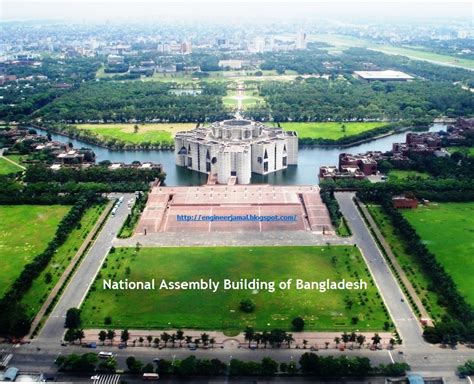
[{"x": 236, "y": 148}]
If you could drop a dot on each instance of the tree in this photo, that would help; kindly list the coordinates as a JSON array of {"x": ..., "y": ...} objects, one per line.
[
  {"x": 149, "y": 339},
  {"x": 337, "y": 340},
  {"x": 148, "y": 368},
  {"x": 352, "y": 338},
  {"x": 180, "y": 337},
  {"x": 141, "y": 340},
  {"x": 125, "y": 336},
  {"x": 277, "y": 336},
  {"x": 247, "y": 306},
  {"x": 268, "y": 366},
  {"x": 135, "y": 128},
  {"x": 102, "y": 336},
  {"x": 156, "y": 342},
  {"x": 289, "y": 339},
  {"x": 376, "y": 339},
  {"x": 108, "y": 366},
  {"x": 173, "y": 339},
  {"x": 133, "y": 365},
  {"x": 345, "y": 338},
  {"x": 70, "y": 335},
  {"x": 165, "y": 337},
  {"x": 76, "y": 363},
  {"x": 204, "y": 338},
  {"x": 360, "y": 340},
  {"x": 466, "y": 369},
  {"x": 392, "y": 342},
  {"x": 79, "y": 335},
  {"x": 111, "y": 336},
  {"x": 265, "y": 338},
  {"x": 305, "y": 343},
  {"x": 298, "y": 324},
  {"x": 73, "y": 318},
  {"x": 189, "y": 340},
  {"x": 249, "y": 334}
]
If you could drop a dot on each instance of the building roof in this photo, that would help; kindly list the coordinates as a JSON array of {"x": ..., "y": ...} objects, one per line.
[
  {"x": 10, "y": 374},
  {"x": 383, "y": 75},
  {"x": 415, "y": 379}
]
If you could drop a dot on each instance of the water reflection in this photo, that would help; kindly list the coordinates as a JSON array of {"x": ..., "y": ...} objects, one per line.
[{"x": 309, "y": 160}]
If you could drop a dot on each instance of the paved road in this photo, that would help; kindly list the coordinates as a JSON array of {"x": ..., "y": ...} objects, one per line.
[
  {"x": 77, "y": 289},
  {"x": 404, "y": 318}
]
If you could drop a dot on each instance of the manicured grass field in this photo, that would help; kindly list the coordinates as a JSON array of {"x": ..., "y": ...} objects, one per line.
[
  {"x": 448, "y": 231},
  {"x": 403, "y": 174},
  {"x": 7, "y": 167},
  {"x": 25, "y": 231},
  {"x": 151, "y": 133},
  {"x": 341, "y": 41},
  {"x": 327, "y": 130},
  {"x": 332, "y": 310},
  {"x": 408, "y": 262},
  {"x": 40, "y": 289},
  {"x": 248, "y": 100}
]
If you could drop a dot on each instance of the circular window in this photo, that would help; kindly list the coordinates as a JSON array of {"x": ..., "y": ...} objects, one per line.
[{"x": 214, "y": 160}]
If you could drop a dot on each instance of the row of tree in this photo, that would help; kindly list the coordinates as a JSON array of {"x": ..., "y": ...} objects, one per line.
[
  {"x": 310, "y": 364},
  {"x": 277, "y": 337}
]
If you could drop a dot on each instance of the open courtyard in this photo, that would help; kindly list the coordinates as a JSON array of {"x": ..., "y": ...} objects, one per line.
[{"x": 332, "y": 310}]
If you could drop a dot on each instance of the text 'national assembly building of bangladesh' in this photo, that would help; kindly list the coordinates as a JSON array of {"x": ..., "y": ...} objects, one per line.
[{"x": 231, "y": 150}]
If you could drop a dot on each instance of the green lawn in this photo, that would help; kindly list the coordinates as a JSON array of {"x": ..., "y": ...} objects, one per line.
[
  {"x": 7, "y": 167},
  {"x": 17, "y": 158},
  {"x": 25, "y": 231},
  {"x": 248, "y": 100},
  {"x": 332, "y": 310},
  {"x": 341, "y": 41},
  {"x": 466, "y": 150},
  {"x": 448, "y": 231},
  {"x": 331, "y": 130},
  {"x": 407, "y": 174},
  {"x": 408, "y": 262},
  {"x": 41, "y": 288},
  {"x": 152, "y": 133}
]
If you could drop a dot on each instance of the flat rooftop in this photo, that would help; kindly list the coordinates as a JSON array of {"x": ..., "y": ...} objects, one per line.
[
  {"x": 383, "y": 75},
  {"x": 166, "y": 205}
]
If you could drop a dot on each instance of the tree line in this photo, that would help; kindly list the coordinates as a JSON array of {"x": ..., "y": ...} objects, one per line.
[
  {"x": 310, "y": 364},
  {"x": 349, "y": 99},
  {"x": 138, "y": 101}
]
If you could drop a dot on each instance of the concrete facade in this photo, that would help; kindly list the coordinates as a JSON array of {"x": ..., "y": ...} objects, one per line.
[{"x": 236, "y": 148}]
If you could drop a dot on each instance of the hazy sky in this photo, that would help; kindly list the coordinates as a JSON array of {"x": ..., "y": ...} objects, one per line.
[{"x": 226, "y": 10}]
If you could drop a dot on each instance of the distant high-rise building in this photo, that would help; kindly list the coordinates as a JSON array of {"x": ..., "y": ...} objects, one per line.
[
  {"x": 186, "y": 47},
  {"x": 259, "y": 44},
  {"x": 301, "y": 40}
]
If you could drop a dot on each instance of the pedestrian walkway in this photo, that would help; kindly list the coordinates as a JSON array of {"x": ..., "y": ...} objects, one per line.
[{"x": 106, "y": 379}]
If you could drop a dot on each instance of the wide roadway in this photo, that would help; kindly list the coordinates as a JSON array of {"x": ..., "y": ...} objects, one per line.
[{"x": 75, "y": 292}]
